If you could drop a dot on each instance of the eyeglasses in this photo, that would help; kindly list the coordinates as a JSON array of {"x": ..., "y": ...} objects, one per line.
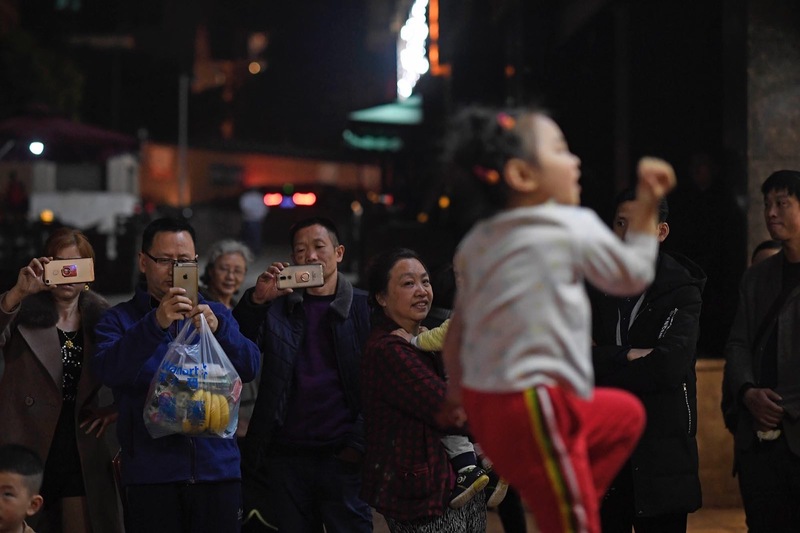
[
  {"x": 168, "y": 261},
  {"x": 236, "y": 272}
]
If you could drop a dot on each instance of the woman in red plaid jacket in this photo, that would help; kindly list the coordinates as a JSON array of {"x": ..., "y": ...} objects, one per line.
[{"x": 407, "y": 473}]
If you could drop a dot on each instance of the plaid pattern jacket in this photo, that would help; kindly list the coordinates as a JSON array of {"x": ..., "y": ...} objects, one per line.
[{"x": 407, "y": 473}]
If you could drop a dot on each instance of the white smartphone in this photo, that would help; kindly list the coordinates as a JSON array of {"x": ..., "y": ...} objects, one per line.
[
  {"x": 185, "y": 275},
  {"x": 300, "y": 276},
  {"x": 62, "y": 271}
]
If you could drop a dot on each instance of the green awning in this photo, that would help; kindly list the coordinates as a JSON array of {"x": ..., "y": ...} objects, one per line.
[{"x": 381, "y": 128}]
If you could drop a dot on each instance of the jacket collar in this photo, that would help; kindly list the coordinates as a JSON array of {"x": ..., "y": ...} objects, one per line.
[
  {"x": 38, "y": 312},
  {"x": 341, "y": 301}
]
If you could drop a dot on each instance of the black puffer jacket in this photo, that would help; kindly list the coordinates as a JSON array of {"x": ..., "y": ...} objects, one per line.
[{"x": 665, "y": 463}]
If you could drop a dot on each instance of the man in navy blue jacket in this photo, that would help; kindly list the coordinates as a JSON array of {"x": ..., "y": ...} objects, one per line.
[
  {"x": 175, "y": 483},
  {"x": 302, "y": 453}
]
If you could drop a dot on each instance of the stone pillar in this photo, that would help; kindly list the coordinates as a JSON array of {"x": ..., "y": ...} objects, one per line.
[{"x": 773, "y": 100}]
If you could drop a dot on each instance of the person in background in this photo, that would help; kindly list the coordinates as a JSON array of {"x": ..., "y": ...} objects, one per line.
[
  {"x": 408, "y": 475},
  {"x": 762, "y": 369},
  {"x": 518, "y": 350},
  {"x": 646, "y": 344},
  {"x": 225, "y": 271},
  {"x": 49, "y": 399},
  {"x": 302, "y": 456},
  {"x": 221, "y": 280},
  {"x": 764, "y": 250},
  {"x": 254, "y": 211},
  {"x": 16, "y": 200},
  {"x": 21, "y": 473},
  {"x": 177, "y": 483}
]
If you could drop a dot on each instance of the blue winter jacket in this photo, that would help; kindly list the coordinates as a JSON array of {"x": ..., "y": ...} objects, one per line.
[{"x": 130, "y": 347}]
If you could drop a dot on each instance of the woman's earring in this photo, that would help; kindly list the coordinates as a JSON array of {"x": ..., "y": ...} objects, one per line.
[{"x": 85, "y": 287}]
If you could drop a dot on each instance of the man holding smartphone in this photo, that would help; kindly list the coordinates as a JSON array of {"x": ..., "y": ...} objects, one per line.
[
  {"x": 302, "y": 453},
  {"x": 177, "y": 482}
]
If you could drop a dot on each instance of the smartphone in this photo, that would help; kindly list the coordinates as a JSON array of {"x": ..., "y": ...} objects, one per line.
[
  {"x": 61, "y": 271},
  {"x": 185, "y": 275},
  {"x": 300, "y": 276}
]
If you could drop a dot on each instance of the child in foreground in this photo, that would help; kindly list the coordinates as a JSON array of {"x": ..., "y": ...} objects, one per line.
[
  {"x": 21, "y": 473},
  {"x": 518, "y": 346}
]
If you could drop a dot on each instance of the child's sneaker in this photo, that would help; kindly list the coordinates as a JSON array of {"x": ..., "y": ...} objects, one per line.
[
  {"x": 469, "y": 482},
  {"x": 495, "y": 490}
]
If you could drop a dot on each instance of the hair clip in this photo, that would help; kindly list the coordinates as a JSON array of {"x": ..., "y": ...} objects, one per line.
[
  {"x": 487, "y": 175},
  {"x": 506, "y": 121}
]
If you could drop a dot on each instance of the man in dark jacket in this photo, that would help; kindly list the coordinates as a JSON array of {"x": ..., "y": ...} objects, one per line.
[
  {"x": 302, "y": 452},
  {"x": 762, "y": 369},
  {"x": 175, "y": 482},
  {"x": 646, "y": 345}
]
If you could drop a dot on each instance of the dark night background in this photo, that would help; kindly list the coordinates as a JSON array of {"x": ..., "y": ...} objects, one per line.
[{"x": 623, "y": 78}]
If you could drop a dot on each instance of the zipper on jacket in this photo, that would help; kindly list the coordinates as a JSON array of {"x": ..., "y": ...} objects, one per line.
[
  {"x": 688, "y": 407},
  {"x": 667, "y": 324}
]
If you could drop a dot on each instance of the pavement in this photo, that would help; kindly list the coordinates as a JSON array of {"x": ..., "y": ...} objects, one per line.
[{"x": 705, "y": 520}]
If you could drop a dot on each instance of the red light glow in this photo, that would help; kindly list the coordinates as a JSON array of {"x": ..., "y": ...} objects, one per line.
[
  {"x": 271, "y": 199},
  {"x": 307, "y": 198}
]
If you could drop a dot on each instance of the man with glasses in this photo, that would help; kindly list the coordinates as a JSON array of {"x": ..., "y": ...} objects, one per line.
[{"x": 175, "y": 483}]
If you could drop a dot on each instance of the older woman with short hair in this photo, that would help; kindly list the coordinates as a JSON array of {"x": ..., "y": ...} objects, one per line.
[{"x": 225, "y": 271}]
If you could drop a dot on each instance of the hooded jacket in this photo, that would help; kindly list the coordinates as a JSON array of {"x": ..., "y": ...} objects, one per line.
[{"x": 664, "y": 464}]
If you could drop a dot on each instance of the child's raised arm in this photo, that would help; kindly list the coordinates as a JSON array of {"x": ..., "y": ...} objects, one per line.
[{"x": 656, "y": 180}]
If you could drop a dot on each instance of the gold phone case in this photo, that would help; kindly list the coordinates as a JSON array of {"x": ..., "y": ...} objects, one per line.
[{"x": 300, "y": 276}]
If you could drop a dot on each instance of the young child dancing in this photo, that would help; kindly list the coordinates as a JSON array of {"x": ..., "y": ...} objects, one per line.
[{"x": 518, "y": 346}]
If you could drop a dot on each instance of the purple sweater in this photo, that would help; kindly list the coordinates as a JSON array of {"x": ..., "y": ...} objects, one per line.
[{"x": 318, "y": 414}]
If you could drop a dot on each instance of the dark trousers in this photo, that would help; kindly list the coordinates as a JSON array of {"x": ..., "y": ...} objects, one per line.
[
  {"x": 769, "y": 480},
  {"x": 184, "y": 508},
  {"x": 304, "y": 492},
  {"x": 512, "y": 513},
  {"x": 617, "y": 513}
]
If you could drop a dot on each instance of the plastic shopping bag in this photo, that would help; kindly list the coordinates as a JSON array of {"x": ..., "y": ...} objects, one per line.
[{"x": 196, "y": 390}]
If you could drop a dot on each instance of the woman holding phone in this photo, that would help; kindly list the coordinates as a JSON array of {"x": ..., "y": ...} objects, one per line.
[{"x": 49, "y": 400}]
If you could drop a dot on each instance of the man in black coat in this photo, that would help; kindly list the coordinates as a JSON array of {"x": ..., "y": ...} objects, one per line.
[{"x": 646, "y": 345}]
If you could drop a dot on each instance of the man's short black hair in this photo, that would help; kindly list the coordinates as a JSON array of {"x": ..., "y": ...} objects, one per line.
[
  {"x": 165, "y": 225},
  {"x": 782, "y": 180},
  {"x": 23, "y": 461},
  {"x": 326, "y": 223},
  {"x": 629, "y": 195}
]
